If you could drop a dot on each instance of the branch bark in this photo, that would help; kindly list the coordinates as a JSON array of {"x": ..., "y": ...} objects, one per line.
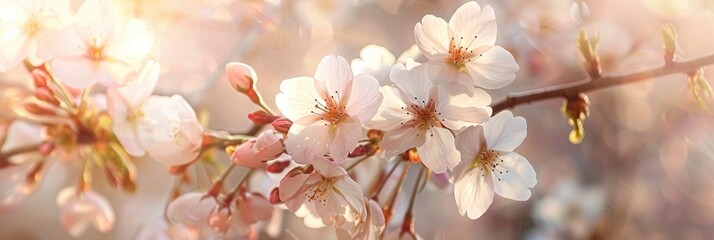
[{"x": 589, "y": 85}]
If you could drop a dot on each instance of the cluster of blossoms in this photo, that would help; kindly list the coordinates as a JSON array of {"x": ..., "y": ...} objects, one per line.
[{"x": 434, "y": 115}]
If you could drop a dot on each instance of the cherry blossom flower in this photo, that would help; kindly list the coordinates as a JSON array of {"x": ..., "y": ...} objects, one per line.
[
  {"x": 126, "y": 107},
  {"x": 327, "y": 189},
  {"x": 26, "y": 28},
  {"x": 488, "y": 161},
  {"x": 570, "y": 208},
  {"x": 418, "y": 114},
  {"x": 376, "y": 60},
  {"x": 98, "y": 49},
  {"x": 176, "y": 134},
  {"x": 371, "y": 229},
  {"x": 79, "y": 209},
  {"x": 462, "y": 52},
  {"x": 190, "y": 211},
  {"x": 254, "y": 153},
  {"x": 328, "y": 110}
]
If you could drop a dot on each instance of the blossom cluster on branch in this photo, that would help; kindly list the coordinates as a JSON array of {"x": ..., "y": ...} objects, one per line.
[{"x": 92, "y": 105}]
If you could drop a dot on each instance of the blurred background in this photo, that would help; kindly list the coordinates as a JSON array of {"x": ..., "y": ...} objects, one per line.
[{"x": 644, "y": 170}]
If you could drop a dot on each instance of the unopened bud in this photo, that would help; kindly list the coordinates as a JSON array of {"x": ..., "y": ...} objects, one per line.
[
  {"x": 359, "y": 151},
  {"x": 576, "y": 109},
  {"x": 219, "y": 219},
  {"x": 275, "y": 196},
  {"x": 36, "y": 109},
  {"x": 242, "y": 77},
  {"x": 588, "y": 48},
  {"x": 669, "y": 33},
  {"x": 282, "y": 125},
  {"x": 261, "y": 117},
  {"x": 39, "y": 77},
  {"x": 278, "y": 166},
  {"x": 44, "y": 94}
]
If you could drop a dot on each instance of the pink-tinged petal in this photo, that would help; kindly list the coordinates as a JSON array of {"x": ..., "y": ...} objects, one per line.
[
  {"x": 244, "y": 156},
  {"x": 495, "y": 68},
  {"x": 432, "y": 37},
  {"x": 390, "y": 113},
  {"x": 97, "y": 12},
  {"x": 66, "y": 44},
  {"x": 191, "y": 211},
  {"x": 514, "y": 177},
  {"x": 399, "y": 140},
  {"x": 376, "y": 216},
  {"x": 462, "y": 110},
  {"x": 78, "y": 211},
  {"x": 365, "y": 98},
  {"x": 352, "y": 194},
  {"x": 304, "y": 143},
  {"x": 176, "y": 134},
  {"x": 255, "y": 208},
  {"x": 296, "y": 99},
  {"x": 241, "y": 75},
  {"x": 133, "y": 42},
  {"x": 292, "y": 186},
  {"x": 474, "y": 23},
  {"x": 473, "y": 194},
  {"x": 505, "y": 133},
  {"x": 268, "y": 145},
  {"x": 141, "y": 86},
  {"x": 347, "y": 134},
  {"x": 132, "y": 136},
  {"x": 75, "y": 72},
  {"x": 114, "y": 73},
  {"x": 334, "y": 73},
  {"x": 468, "y": 142},
  {"x": 415, "y": 83},
  {"x": 439, "y": 152},
  {"x": 327, "y": 168}
]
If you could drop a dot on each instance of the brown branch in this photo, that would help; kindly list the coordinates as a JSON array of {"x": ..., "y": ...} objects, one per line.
[{"x": 587, "y": 85}]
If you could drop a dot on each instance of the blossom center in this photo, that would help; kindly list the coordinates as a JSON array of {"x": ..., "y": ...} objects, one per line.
[
  {"x": 424, "y": 115},
  {"x": 460, "y": 52},
  {"x": 331, "y": 110},
  {"x": 95, "y": 53},
  {"x": 32, "y": 26},
  {"x": 321, "y": 191},
  {"x": 489, "y": 162}
]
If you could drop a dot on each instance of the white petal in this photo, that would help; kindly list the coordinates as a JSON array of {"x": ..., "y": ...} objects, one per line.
[
  {"x": 365, "y": 98},
  {"x": 462, "y": 110},
  {"x": 141, "y": 86},
  {"x": 514, "y": 177},
  {"x": 505, "y": 133},
  {"x": 97, "y": 12},
  {"x": 399, "y": 140},
  {"x": 352, "y": 193},
  {"x": 347, "y": 134},
  {"x": 468, "y": 142},
  {"x": 439, "y": 150},
  {"x": 297, "y": 97},
  {"x": 472, "y": 193},
  {"x": 496, "y": 68},
  {"x": 391, "y": 112},
  {"x": 334, "y": 72},
  {"x": 76, "y": 72},
  {"x": 432, "y": 37},
  {"x": 471, "y": 20},
  {"x": 304, "y": 143},
  {"x": 414, "y": 83},
  {"x": 114, "y": 73},
  {"x": 133, "y": 42}
]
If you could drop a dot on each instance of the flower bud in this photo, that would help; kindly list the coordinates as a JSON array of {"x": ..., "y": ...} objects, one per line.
[
  {"x": 241, "y": 76},
  {"x": 576, "y": 109},
  {"x": 588, "y": 48},
  {"x": 275, "y": 196},
  {"x": 261, "y": 117},
  {"x": 39, "y": 77},
  {"x": 256, "y": 152},
  {"x": 36, "y": 109},
  {"x": 669, "y": 33},
  {"x": 219, "y": 219},
  {"x": 359, "y": 151},
  {"x": 278, "y": 166},
  {"x": 45, "y": 95},
  {"x": 282, "y": 125}
]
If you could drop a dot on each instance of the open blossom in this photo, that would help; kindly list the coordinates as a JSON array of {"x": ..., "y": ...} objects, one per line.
[
  {"x": 27, "y": 27},
  {"x": 488, "y": 161},
  {"x": 376, "y": 60},
  {"x": 78, "y": 210},
  {"x": 176, "y": 134},
  {"x": 98, "y": 49},
  {"x": 418, "y": 114},
  {"x": 328, "y": 110},
  {"x": 334, "y": 196},
  {"x": 462, "y": 52},
  {"x": 254, "y": 153},
  {"x": 125, "y": 106}
]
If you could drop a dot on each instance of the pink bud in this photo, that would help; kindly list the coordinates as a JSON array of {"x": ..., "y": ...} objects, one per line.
[
  {"x": 260, "y": 117},
  {"x": 278, "y": 166},
  {"x": 275, "y": 196},
  {"x": 255, "y": 153},
  {"x": 282, "y": 125},
  {"x": 254, "y": 207},
  {"x": 241, "y": 76},
  {"x": 39, "y": 77},
  {"x": 359, "y": 151},
  {"x": 219, "y": 219}
]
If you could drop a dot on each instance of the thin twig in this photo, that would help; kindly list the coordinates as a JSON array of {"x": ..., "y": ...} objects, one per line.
[{"x": 587, "y": 85}]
